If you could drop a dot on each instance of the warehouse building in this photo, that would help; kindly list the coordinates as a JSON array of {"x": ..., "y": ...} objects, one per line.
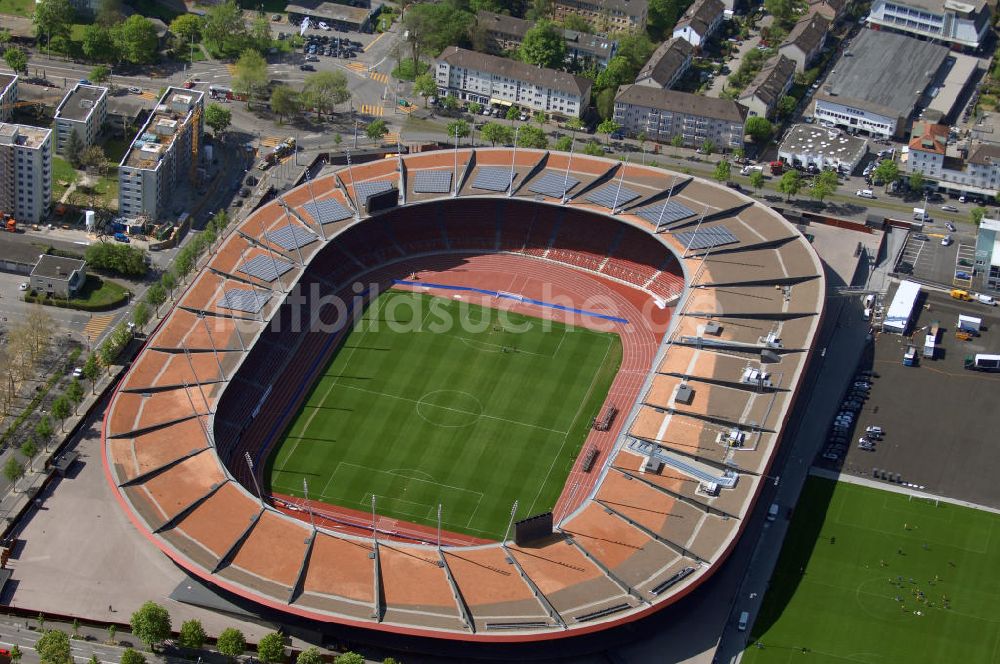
[
  {"x": 824, "y": 148},
  {"x": 951, "y": 22}
]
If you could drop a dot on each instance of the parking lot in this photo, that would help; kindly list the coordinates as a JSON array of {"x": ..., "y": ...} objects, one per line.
[{"x": 939, "y": 419}]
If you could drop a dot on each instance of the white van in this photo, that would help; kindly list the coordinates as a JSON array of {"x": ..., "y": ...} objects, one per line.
[
  {"x": 920, "y": 214},
  {"x": 744, "y": 621},
  {"x": 772, "y": 512},
  {"x": 865, "y": 193},
  {"x": 985, "y": 299}
]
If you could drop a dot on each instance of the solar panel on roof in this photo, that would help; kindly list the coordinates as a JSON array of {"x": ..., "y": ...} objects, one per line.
[
  {"x": 290, "y": 237},
  {"x": 432, "y": 182},
  {"x": 704, "y": 238},
  {"x": 665, "y": 213},
  {"x": 327, "y": 212},
  {"x": 363, "y": 190},
  {"x": 493, "y": 179},
  {"x": 606, "y": 196},
  {"x": 240, "y": 299},
  {"x": 265, "y": 268},
  {"x": 552, "y": 184}
]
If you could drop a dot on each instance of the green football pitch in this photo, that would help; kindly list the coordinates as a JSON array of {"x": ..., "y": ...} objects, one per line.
[
  {"x": 472, "y": 415},
  {"x": 872, "y": 576}
]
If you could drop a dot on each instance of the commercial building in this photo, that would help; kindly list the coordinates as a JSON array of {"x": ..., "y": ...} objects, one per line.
[
  {"x": 959, "y": 24},
  {"x": 57, "y": 276},
  {"x": 663, "y": 114},
  {"x": 806, "y": 41},
  {"x": 8, "y": 95},
  {"x": 164, "y": 152},
  {"x": 988, "y": 253},
  {"x": 810, "y": 144},
  {"x": 900, "y": 312},
  {"x": 669, "y": 62},
  {"x": 359, "y": 16},
  {"x": 974, "y": 171},
  {"x": 505, "y": 33},
  {"x": 700, "y": 21},
  {"x": 25, "y": 172},
  {"x": 489, "y": 79},
  {"x": 605, "y": 16},
  {"x": 876, "y": 86},
  {"x": 83, "y": 111},
  {"x": 770, "y": 84}
]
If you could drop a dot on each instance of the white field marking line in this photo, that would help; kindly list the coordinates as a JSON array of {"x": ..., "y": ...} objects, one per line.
[
  {"x": 455, "y": 410},
  {"x": 471, "y": 344},
  {"x": 583, "y": 401},
  {"x": 412, "y": 479},
  {"x": 473, "y": 515},
  {"x": 312, "y": 415},
  {"x": 366, "y": 502}
]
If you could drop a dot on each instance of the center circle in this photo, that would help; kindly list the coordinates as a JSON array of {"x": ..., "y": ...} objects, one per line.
[{"x": 449, "y": 408}]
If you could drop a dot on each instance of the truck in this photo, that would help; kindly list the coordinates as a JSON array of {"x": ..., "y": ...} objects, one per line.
[
  {"x": 910, "y": 357},
  {"x": 920, "y": 214},
  {"x": 960, "y": 294},
  {"x": 930, "y": 342},
  {"x": 777, "y": 167},
  {"x": 10, "y": 225},
  {"x": 747, "y": 170},
  {"x": 970, "y": 324},
  {"x": 982, "y": 362}
]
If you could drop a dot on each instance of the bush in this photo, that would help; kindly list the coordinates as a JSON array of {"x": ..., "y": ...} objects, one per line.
[
  {"x": 407, "y": 71},
  {"x": 118, "y": 258},
  {"x": 96, "y": 295}
]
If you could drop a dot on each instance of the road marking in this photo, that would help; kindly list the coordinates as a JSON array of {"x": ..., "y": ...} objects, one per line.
[
  {"x": 231, "y": 69},
  {"x": 373, "y": 42},
  {"x": 373, "y": 110},
  {"x": 357, "y": 67},
  {"x": 270, "y": 141},
  {"x": 96, "y": 325},
  {"x": 378, "y": 76},
  {"x": 391, "y": 138}
]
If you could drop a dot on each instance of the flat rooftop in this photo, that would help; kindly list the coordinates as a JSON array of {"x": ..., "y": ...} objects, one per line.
[
  {"x": 80, "y": 102},
  {"x": 816, "y": 140},
  {"x": 5, "y": 81},
  {"x": 319, "y": 10},
  {"x": 24, "y": 136},
  {"x": 884, "y": 73},
  {"x": 155, "y": 138}
]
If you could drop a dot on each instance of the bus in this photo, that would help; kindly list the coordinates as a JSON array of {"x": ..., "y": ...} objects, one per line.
[{"x": 982, "y": 362}]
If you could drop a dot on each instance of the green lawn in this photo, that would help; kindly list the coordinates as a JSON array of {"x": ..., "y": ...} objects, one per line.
[
  {"x": 96, "y": 295},
  {"x": 418, "y": 415},
  {"x": 865, "y": 555},
  {"x": 18, "y": 7},
  {"x": 63, "y": 175}
]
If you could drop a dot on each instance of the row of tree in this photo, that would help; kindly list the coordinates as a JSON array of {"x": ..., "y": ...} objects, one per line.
[{"x": 119, "y": 258}]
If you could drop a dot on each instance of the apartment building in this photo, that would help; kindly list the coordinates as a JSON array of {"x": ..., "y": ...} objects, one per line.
[
  {"x": 8, "y": 95},
  {"x": 806, "y": 41},
  {"x": 667, "y": 64},
  {"x": 163, "y": 154},
  {"x": 664, "y": 114},
  {"x": 489, "y": 79},
  {"x": 25, "y": 172},
  {"x": 700, "y": 22},
  {"x": 506, "y": 33},
  {"x": 771, "y": 83},
  {"x": 605, "y": 16},
  {"x": 960, "y": 24},
  {"x": 83, "y": 111},
  {"x": 975, "y": 171}
]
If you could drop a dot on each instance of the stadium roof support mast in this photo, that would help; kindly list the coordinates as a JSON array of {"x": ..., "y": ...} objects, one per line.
[
  {"x": 253, "y": 476},
  {"x": 288, "y": 220},
  {"x": 374, "y": 529},
  {"x": 513, "y": 511},
  {"x": 569, "y": 165},
  {"x": 454, "y": 192},
  {"x": 513, "y": 160},
  {"x": 694, "y": 233},
  {"x": 354, "y": 185},
  {"x": 305, "y": 493},
  {"x": 197, "y": 416},
  {"x": 201, "y": 390},
  {"x": 663, "y": 208},
  {"x": 309, "y": 185},
  {"x": 267, "y": 247},
  {"x": 211, "y": 340},
  {"x": 618, "y": 191}
]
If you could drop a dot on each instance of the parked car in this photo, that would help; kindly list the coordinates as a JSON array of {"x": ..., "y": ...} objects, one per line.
[
  {"x": 307, "y": 67},
  {"x": 135, "y": 90},
  {"x": 244, "y": 192},
  {"x": 949, "y": 208},
  {"x": 946, "y": 241},
  {"x": 323, "y": 26},
  {"x": 950, "y": 226},
  {"x": 121, "y": 237},
  {"x": 23, "y": 285}
]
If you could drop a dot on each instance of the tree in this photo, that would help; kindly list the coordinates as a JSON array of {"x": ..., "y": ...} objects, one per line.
[
  {"x": 475, "y": 107},
  {"x": 121, "y": 259},
  {"x": 260, "y": 34},
  {"x": 494, "y": 132},
  {"x": 786, "y": 106},
  {"x": 608, "y": 127},
  {"x": 759, "y": 129},
  {"x": 594, "y": 149},
  {"x": 16, "y": 59},
  {"x": 887, "y": 171},
  {"x": 132, "y": 656},
  {"x": 99, "y": 44},
  {"x": 187, "y": 28},
  {"x": 93, "y": 158},
  {"x": 91, "y": 371},
  {"x": 136, "y": 39},
  {"x": 677, "y": 141},
  {"x": 757, "y": 180},
  {"x": 512, "y": 114},
  {"x": 76, "y": 628},
  {"x": 459, "y": 128},
  {"x": 225, "y": 27},
  {"x": 53, "y": 18},
  {"x": 450, "y": 102},
  {"x": 977, "y": 214},
  {"x": 231, "y": 642},
  {"x": 100, "y": 74},
  {"x": 543, "y": 45},
  {"x": 44, "y": 431},
  {"x": 41, "y": 621},
  {"x": 324, "y": 90},
  {"x": 434, "y": 26},
  {"x": 13, "y": 470},
  {"x": 310, "y": 655},
  {"x": 349, "y": 658},
  {"x": 722, "y": 171},
  {"x": 661, "y": 18},
  {"x": 16, "y": 654},
  {"x": 112, "y": 629},
  {"x": 192, "y": 634},
  {"x": 271, "y": 648},
  {"x": 53, "y": 648},
  {"x": 29, "y": 450},
  {"x": 74, "y": 149},
  {"x": 707, "y": 146},
  {"x": 169, "y": 282},
  {"x": 917, "y": 181},
  {"x": 140, "y": 315},
  {"x": 61, "y": 410},
  {"x": 823, "y": 185},
  {"x": 218, "y": 117},
  {"x": 532, "y": 137},
  {"x": 250, "y": 74},
  {"x": 564, "y": 143},
  {"x": 285, "y": 101},
  {"x": 151, "y": 624},
  {"x": 425, "y": 86},
  {"x": 783, "y": 10},
  {"x": 790, "y": 184},
  {"x": 376, "y": 130}
]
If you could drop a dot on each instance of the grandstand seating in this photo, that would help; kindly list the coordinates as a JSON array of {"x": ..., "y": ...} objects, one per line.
[{"x": 471, "y": 223}]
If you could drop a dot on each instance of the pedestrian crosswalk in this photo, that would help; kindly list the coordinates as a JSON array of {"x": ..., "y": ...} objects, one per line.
[
  {"x": 373, "y": 110},
  {"x": 379, "y": 76},
  {"x": 96, "y": 325},
  {"x": 231, "y": 68},
  {"x": 149, "y": 95},
  {"x": 391, "y": 138},
  {"x": 406, "y": 109},
  {"x": 269, "y": 141},
  {"x": 358, "y": 67}
]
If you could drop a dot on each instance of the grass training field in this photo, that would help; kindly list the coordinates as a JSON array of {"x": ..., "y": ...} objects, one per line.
[
  {"x": 473, "y": 415},
  {"x": 872, "y": 576}
]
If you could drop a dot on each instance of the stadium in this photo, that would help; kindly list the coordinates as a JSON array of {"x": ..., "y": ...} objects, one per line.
[{"x": 301, "y": 432}]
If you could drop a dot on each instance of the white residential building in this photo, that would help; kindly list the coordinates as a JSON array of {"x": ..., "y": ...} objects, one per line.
[
  {"x": 8, "y": 95},
  {"x": 700, "y": 22},
  {"x": 83, "y": 110},
  {"x": 489, "y": 79},
  {"x": 929, "y": 154},
  {"x": 962, "y": 24},
  {"x": 162, "y": 155},
  {"x": 662, "y": 114},
  {"x": 25, "y": 172}
]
